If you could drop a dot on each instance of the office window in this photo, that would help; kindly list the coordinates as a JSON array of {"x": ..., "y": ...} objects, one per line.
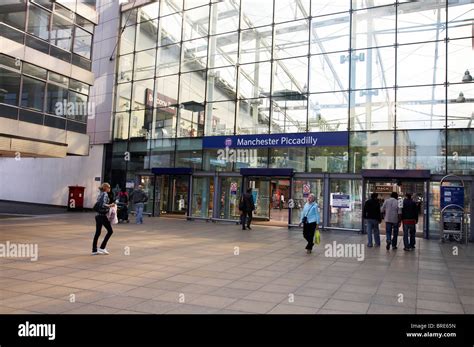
[
  {"x": 61, "y": 33},
  {"x": 12, "y": 12},
  {"x": 82, "y": 43},
  {"x": 55, "y": 96},
  {"x": 32, "y": 93},
  {"x": 9, "y": 87},
  {"x": 38, "y": 22}
]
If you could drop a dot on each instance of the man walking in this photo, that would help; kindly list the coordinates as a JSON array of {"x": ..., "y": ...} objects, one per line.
[
  {"x": 409, "y": 219},
  {"x": 373, "y": 218},
  {"x": 139, "y": 198},
  {"x": 392, "y": 220},
  {"x": 246, "y": 207}
]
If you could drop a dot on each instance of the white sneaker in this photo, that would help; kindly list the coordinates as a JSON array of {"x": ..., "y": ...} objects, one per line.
[
  {"x": 103, "y": 251},
  {"x": 95, "y": 253}
]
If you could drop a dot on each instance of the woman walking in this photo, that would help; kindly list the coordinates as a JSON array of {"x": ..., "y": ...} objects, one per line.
[
  {"x": 309, "y": 220},
  {"x": 102, "y": 208}
]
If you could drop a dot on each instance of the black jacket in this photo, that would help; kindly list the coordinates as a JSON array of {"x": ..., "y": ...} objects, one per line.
[
  {"x": 246, "y": 203},
  {"x": 372, "y": 210},
  {"x": 409, "y": 210}
]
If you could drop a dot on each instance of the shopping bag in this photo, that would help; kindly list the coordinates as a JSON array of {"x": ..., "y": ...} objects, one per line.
[
  {"x": 317, "y": 237},
  {"x": 112, "y": 215}
]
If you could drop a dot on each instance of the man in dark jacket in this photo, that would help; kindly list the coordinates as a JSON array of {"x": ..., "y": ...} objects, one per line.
[
  {"x": 138, "y": 198},
  {"x": 409, "y": 219},
  {"x": 373, "y": 218},
  {"x": 246, "y": 206}
]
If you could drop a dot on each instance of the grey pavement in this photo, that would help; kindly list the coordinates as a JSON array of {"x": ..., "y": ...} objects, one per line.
[{"x": 170, "y": 265}]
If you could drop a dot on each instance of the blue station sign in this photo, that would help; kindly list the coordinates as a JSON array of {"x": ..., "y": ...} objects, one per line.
[
  {"x": 452, "y": 195},
  {"x": 314, "y": 139}
]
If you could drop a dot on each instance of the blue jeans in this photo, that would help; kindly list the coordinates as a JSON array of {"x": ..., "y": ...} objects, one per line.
[
  {"x": 139, "y": 212},
  {"x": 373, "y": 225},
  {"x": 389, "y": 227},
  {"x": 409, "y": 230}
]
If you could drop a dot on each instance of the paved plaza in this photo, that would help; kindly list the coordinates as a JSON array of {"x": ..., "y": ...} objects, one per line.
[{"x": 175, "y": 266}]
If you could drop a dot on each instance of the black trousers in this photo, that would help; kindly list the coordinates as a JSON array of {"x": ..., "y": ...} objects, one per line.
[
  {"x": 308, "y": 232},
  {"x": 246, "y": 219},
  {"x": 101, "y": 220}
]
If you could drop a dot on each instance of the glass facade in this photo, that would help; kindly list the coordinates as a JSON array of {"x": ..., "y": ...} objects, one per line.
[{"x": 390, "y": 73}]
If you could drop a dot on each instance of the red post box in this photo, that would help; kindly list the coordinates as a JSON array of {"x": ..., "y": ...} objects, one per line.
[{"x": 75, "y": 199}]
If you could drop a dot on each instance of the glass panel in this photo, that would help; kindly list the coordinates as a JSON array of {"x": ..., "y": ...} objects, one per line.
[
  {"x": 327, "y": 159},
  {"x": 256, "y": 13},
  {"x": 328, "y": 112},
  {"x": 288, "y": 158},
  {"x": 461, "y": 151},
  {"x": 254, "y": 80},
  {"x": 371, "y": 150},
  {"x": 373, "y": 110},
  {"x": 85, "y": 24},
  {"x": 32, "y": 94},
  {"x": 127, "y": 40},
  {"x": 374, "y": 68},
  {"x": 166, "y": 122},
  {"x": 34, "y": 71},
  {"x": 421, "y": 149},
  {"x": 194, "y": 3},
  {"x": 301, "y": 190},
  {"x": 203, "y": 197},
  {"x": 144, "y": 64},
  {"x": 129, "y": 17},
  {"x": 121, "y": 124},
  {"x": 137, "y": 124},
  {"x": 192, "y": 159},
  {"x": 166, "y": 89},
  {"x": 225, "y": 17},
  {"x": 61, "y": 33},
  {"x": 82, "y": 43},
  {"x": 290, "y": 79},
  {"x": 80, "y": 110},
  {"x": 55, "y": 95},
  {"x": 221, "y": 84},
  {"x": 290, "y": 10},
  {"x": 289, "y": 112},
  {"x": 179, "y": 194},
  {"x": 346, "y": 204},
  {"x": 79, "y": 86},
  {"x": 248, "y": 158},
  {"x": 330, "y": 33},
  {"x": 191, "y": 122},
  {"x": 460, "y": 105},
  {"x": 421, "y": 108},
  {"x": 230, "y": 191},
  {"x": 9, "y": 87},
  {"x": 220, "y": 118},
  {"x": 13, "y": 13},
  {"x": 170, "y": 6},
  {"x": 460, "y": 59},
  {"x": 193, "y": 87},
  {"x": 168, "y": 59},
  {"x": 139, "y": 93},
  {"x": 364, "y": 3},
  {"x": 196, "y": 23},
  {"x": 195, "y": 55},
  {"x": 148, "y": 12},
  {"x": 460, "y": 18},
  {"x": 421, "y": 22},
  {"x": 162, "y": 154},
  {"x": 253, "y": 116},
  {"x": 123, "y": 97},
  {"x": 373, "y": 27},
  {"x": 291, "y": 39},
  {"x": 261, "y": 196},
  {"x": 328, "y": 74},
  {"x": 170, "y": 29},
  {"x": 146, "y": 35},
  {"x": 423, "y": 63},
  {"x": 10, "y": 62},
  {"x": 256, "y": 45},
  {"x": 38, "y": 22},
  {"x": 64, "y": 12},
  {"x": 223, "y": 50},
  {"x": 322, "y": 7}
]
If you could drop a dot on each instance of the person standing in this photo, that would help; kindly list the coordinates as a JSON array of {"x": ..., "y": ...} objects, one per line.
[
  {"x": 310, "y": 218},
  {"x": 246, "y": 207},
  {"x": 409, "y": 220},
  {"x": 392, "y": 220},
  {"x": 122, "y": 198},
  {"x": 101, "y": 220},
  {"x": 373, "y": 218},
  {"x": 139, "y": 198}
]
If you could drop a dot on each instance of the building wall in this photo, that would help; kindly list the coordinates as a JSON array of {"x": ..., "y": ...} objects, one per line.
[{"x": 46, "y": 181}]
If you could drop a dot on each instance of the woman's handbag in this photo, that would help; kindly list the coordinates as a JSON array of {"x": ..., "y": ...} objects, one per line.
[
  {"x": 317, "y": 237},
  {"x": 100, "y": 209}
]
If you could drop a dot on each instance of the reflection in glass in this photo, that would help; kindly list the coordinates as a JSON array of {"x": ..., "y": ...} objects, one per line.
[
  {"x": 220, "y": 118},
  {"x": 38, "y": 22},
  {"x": 328, "y": 112},
  {"x": 196, "y": 23},
  {"x": 346, "y": 215},
  {"x": 371, "y": 150},
  {"x": 202, "y": 203},
  {"x": 32, "y": 94},
  {"x": 291, "y": 39},
  {"x": 253, "y": 116},
  {"x": 301, "y": 190},
  {"x": 328, "y": 74},
  {"x": 146, "y": 35},
  {"x": 167, "y": 62},
  {"x": 327, "y": 159},
  {"x": 461, "y": 151},
  {"x": 373, "y": 27},
  {"x": 288, "y": 158},
  {"x": 144, "y": 64},
  {"x": 330, "y": 33},
  {"x": 373, "y": 110}
]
